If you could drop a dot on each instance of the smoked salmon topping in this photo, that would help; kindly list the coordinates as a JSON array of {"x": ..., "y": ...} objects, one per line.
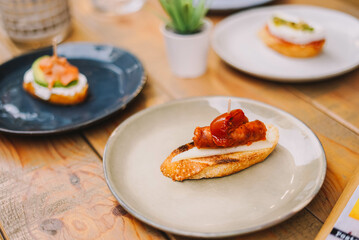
[{"x": 58, "y": 69}]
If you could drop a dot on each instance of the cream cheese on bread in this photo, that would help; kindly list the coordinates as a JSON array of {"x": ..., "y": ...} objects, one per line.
[
  {"x": 206, "y": 152},
  {"x": 293, "y": 35},
  {"x": 45, "y": 93}
]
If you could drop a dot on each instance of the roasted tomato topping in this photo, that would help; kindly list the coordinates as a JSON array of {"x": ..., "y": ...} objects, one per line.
[
  {"x": 229, "y": 130},
  {"x": 223, "y": 125}
]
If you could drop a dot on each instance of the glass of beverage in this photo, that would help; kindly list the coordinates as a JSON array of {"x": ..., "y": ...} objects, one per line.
[
  {"x": 36, "y": 22},
  {"x": 118, "y": 7}
]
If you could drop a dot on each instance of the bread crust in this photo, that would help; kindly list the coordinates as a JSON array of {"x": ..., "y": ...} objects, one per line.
[
  {"x": 290, "y": 49},
  {"x": 213, "y": 166},
  {"x": 59, "y": 99}
]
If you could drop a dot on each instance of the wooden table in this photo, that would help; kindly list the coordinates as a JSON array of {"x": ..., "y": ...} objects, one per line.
[{"x": 53, "y": 187}]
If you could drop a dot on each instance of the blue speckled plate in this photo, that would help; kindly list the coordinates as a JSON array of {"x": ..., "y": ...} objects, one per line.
[{"x": 115, "y": 77}]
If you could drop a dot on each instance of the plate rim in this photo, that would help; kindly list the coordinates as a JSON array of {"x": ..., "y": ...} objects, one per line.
[
  {"x": 236, "y": 6},
  {"x": 314, "y": 78},
  {"x": 89, "y": 122},
  {"x": 208, "y": 234}
]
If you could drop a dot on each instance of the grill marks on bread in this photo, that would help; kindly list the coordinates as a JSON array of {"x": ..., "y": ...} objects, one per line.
[{"x": 215, "y": 165}]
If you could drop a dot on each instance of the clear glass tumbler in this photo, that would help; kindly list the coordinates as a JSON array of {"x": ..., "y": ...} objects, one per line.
[
  {"x": 118, "y": 7},
  {"x": 36, "y": 22}
]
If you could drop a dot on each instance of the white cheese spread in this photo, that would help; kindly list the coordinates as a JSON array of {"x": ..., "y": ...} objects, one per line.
[
  {"x": 293, "y": 35},
  {"x": 45, "y": 93}
]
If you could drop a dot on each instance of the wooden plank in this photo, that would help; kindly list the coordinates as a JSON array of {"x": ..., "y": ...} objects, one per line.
[
  {"x": 338, "y": 98},
  {"x": 303, "y": 226},
  {"x": 54, "y": 188},
  {"x": 3, "y": 235}
]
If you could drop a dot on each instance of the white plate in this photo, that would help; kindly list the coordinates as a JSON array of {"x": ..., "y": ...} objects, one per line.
[
  {"x": 235, "y": 4},
  {"x": 236, "y": 41},
  {"x": 255, "y": 198}
]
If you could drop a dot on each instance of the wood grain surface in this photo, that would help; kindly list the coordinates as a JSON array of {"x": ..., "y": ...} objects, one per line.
[{"x": 54, "y": 188}]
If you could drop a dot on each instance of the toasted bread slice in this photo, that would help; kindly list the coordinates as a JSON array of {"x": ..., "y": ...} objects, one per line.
[
  {"x": 290, "y": 49},
  {"x": 78, "y": 97},
  {"x": 216, "y": 165}
]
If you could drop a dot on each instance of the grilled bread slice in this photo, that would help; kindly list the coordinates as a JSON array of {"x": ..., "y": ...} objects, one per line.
[
  {"x": 221, "y": 164},
  {"x": 76, "y": 98},
  {"x": 57, "y": 95},
  {"x": 290, "y": 49}
]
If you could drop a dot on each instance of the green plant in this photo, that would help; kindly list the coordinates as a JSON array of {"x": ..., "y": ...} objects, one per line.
[{"x": 185, "y": 16}]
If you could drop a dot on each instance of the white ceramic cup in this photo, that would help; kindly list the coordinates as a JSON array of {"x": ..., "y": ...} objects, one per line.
[{"x": 187, "y": 54}]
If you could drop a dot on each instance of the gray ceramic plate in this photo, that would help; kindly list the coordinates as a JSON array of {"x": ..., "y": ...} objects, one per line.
[{"x": 253, "y": 199}]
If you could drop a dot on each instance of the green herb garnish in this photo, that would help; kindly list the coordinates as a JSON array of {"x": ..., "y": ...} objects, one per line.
[
  {"x": 302, "y": 26},
  {"x": 58, "y": 84}
]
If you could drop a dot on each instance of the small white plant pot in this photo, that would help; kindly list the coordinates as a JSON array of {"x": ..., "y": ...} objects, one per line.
[{"x": 187, "y": 54}]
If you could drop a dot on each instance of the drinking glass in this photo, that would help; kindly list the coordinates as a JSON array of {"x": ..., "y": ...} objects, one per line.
[
  {"x": 118, "y": 7},
  {"x": 36, "y": 22}
]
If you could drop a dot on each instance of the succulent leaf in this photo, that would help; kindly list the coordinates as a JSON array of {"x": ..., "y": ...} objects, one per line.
[{"x": 185, "y": 16}]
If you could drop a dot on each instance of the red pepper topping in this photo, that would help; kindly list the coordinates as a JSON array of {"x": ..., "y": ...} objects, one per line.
[{"x": 223, "y": 125}]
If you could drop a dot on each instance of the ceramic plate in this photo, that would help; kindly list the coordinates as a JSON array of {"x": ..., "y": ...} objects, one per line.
[
  {"x": 255, "y": 198},
  {"x": 235, "y": 4},
  {"x": 236, "y": 41},
  {"x": 115, "y": 77}
]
